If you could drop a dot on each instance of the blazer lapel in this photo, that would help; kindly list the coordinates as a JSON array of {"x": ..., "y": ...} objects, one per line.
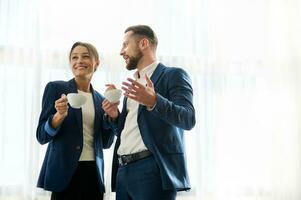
[
  {"x": 78, "y": 113},
  {"x": 123, "y": 114},
  {"x": 156, "y": 74},
  {"x": 124, "y": 103},
  {"x": 98, "y": 112}
]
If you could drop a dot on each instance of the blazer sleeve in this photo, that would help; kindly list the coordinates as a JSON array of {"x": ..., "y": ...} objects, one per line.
[
  {"x": 45, "y": 132},
  {"x": 178, "y": 108},
  {"x": 109, "y": 132}
]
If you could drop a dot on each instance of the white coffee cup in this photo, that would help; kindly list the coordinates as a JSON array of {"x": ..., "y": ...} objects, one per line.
[
  {"x": 113, "y": 95},
  {"x": 76, "y": 100}
]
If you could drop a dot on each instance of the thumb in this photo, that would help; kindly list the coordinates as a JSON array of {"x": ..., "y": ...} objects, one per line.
[
  {"x": 149, "y": 82},
  {"x": 110, "y": 86},
  {"x": 63, "y": 96}
]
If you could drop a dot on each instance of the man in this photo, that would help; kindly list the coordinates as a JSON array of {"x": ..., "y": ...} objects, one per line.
[{"x": 149, "y": 157}]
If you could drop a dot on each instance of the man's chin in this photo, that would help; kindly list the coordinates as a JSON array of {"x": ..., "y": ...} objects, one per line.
[{"x": 130, "y": 67}]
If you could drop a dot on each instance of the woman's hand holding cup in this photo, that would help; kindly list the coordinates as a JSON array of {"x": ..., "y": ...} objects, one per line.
[{"x": 110, "y": 108}]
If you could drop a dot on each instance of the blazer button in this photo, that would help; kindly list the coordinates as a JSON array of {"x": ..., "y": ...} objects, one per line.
[{"x": 77, "y": 147}]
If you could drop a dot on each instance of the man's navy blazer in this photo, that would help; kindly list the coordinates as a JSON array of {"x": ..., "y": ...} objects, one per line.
[
  {"x": 162, "y": 128},
  {"x": 66, "y": 142}
]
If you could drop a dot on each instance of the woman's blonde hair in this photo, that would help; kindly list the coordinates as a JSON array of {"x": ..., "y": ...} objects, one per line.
[{"x": 91, "y": 49}]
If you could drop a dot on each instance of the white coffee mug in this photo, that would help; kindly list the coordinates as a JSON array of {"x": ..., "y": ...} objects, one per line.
[
  {"x": 76, "y": 100},
  {"x": 113, "y": 95}
]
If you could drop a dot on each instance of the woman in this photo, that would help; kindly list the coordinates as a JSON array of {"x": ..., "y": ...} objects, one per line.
[{"x": 73, "y": 166}]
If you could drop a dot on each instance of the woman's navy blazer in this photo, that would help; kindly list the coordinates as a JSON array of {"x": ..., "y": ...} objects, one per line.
[{"x": 65, "y": 143}]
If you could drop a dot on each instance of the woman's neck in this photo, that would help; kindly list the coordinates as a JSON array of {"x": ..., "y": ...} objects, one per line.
[{"x": 83, "y": 84}]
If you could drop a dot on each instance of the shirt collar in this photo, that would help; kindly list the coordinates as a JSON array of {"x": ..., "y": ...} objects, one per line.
[{"x": 147, "y": 70}]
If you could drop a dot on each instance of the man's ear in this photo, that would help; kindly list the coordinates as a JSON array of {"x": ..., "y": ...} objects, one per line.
[{"x": 144, "y": 43}]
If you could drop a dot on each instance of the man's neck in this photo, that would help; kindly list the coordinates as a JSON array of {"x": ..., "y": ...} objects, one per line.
[{"x": 143, "y": 63}]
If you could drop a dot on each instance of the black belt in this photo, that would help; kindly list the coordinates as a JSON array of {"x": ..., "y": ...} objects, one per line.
[{"x": 129, "y": 158}]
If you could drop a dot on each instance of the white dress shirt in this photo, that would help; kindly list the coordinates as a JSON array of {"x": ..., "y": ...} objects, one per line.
[
  {"x": 130, "y": 139},
  {"x": 88, "y": 114}
]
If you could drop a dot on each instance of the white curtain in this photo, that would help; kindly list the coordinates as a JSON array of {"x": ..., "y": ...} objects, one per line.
[{"x": 244, "y": 60}]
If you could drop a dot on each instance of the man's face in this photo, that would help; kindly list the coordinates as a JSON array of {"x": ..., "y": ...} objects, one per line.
[{"x": 130, "y": 51}]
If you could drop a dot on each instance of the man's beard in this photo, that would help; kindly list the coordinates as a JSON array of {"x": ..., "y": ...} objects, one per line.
[{"x": 133, "y": 61}]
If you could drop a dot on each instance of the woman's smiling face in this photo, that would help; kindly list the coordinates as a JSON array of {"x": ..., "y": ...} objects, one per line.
[{"x": 82, "y": 63}]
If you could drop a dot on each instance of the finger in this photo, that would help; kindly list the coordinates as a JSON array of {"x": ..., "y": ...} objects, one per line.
[
  {"x": 57, "y": 102},
  {"x": 116, "y": 103},
  {"x": 135, "y": 83},
  {"x": 108, "y": 108},
  {"x": 61, "y": 102},
  {"x": 113, "y": 107},
  {"x": 105, "y": 102},
  {"x": 131, "y": 84},
  {"x": 128, "y": 87},
  {"x": 149, "y": 83},
  {"x": 131, "y": 96},
  {"x": 129, "y": 91},
  {"x": 108, "y": 105},
  {"x": 110, "y": 86},
  {"x": 127, "y": 84},
  {"x": 62, "y": 99},
  {"x": 61, "y": 107}
]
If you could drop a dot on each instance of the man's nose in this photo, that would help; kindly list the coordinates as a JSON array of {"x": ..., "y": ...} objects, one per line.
[{"x": 121, "y": 52}]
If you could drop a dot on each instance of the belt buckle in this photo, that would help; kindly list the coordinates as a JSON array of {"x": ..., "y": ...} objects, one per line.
[
  {"x": 129, "y": 158},
  {"x": 120, "y": 161}
]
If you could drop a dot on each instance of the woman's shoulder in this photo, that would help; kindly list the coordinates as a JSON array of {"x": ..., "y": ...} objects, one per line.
[{"x": 58, "y": 84}]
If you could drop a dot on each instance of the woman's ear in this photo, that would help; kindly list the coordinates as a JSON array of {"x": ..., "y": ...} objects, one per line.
[{"x": 97, "y": 65}]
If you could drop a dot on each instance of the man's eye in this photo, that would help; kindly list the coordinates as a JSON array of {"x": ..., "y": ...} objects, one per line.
[{"x": 74, "y": 57}]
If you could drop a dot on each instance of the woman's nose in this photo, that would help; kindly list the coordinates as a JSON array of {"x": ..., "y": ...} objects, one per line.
[{"x": 80, "y": 59}]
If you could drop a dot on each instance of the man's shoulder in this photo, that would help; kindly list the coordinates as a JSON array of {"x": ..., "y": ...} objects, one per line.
[{"x": 171, "y": 70}]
